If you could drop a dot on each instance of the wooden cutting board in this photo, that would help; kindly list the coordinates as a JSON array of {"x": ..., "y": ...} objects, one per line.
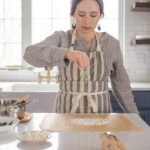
[{"x": 70, "y": 123}]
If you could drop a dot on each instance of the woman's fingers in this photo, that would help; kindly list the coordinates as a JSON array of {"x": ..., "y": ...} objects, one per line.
[
  {"x": 77, "y": 63},
  {"x": 81, "y": 61},
  {"x": 80, "y": 58}
]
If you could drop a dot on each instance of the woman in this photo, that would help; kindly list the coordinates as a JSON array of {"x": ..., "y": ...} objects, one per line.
[{"x": 85, "y": 60}]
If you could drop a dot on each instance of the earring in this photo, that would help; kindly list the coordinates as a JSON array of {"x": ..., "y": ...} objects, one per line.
[
  {"x": 73, "y": 26},
  {"x": 73, "y": 20},
  {"x": 99, "y": 27}
]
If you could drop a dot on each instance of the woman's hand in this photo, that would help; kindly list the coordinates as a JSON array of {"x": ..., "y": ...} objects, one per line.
[{"x": 79, "y": 58}]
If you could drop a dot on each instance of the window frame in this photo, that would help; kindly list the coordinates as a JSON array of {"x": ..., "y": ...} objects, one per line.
[
  {"x": 121, "y": 26},
  {"x": 26, "y": 26}
]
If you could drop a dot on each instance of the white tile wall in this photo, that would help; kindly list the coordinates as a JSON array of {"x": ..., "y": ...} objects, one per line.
[{"x": 137, "y": 57}]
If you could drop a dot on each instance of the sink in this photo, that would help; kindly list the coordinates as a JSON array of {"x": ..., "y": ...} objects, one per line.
[
  {"x": 53, "y": 87},
  {"x": 29, "y": 87}
]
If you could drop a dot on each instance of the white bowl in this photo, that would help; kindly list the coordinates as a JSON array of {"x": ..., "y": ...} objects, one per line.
[
  {"x": 34, "y": 136},
  {"x": 8, "y": 120}
]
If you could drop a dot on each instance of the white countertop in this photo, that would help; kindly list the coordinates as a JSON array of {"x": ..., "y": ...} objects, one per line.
[
  {"x": 53, "y": 87},
  {"x": 75, "y": 140},
  {"x": 140, "y": 86}
]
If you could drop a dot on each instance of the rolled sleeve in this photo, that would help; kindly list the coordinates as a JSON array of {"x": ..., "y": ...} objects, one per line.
[
  {"x": 47, "y": 53},
  {"x": 121, "y": 84}
]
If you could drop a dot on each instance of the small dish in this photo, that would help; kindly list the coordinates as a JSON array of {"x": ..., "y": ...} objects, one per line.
[
  {"x": 34, "y": 136},
  {"x": 7, "y": 123}
]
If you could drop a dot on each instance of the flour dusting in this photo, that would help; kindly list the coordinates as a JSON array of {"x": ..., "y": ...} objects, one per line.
[{"x": 89, "y": 122}]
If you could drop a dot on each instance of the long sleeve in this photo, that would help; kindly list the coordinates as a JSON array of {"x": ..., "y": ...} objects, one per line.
[
  {"x": 47, "y": 52},
  {"x": 121, "y": 84}
]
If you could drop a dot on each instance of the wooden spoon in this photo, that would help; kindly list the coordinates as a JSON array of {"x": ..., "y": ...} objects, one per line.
[{"x": 23, "y": 98}]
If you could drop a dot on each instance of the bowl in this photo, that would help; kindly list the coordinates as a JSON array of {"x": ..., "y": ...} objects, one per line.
[
  {"x": 7, "y": 107},
  {"x": 34, "y": 136},
  {"x": 7, "y": 123}
]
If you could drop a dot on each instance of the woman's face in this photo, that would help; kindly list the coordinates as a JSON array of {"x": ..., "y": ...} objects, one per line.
[{"x": 87, "y": 15}]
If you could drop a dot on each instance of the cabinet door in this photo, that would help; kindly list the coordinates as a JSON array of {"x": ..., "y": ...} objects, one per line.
[
  {"x": 115, "y": 106},
  {"x": 142, "y": 99}
]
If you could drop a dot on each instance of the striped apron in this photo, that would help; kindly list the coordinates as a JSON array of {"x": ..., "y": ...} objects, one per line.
[{"x": 84, "y": 90}]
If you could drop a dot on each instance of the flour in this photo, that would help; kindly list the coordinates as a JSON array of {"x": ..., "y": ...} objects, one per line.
[
  {"x": 90, "y": 122},
  {"x": 34, "y": 136}
]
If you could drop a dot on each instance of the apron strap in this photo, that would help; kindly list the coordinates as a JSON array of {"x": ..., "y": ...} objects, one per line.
[
  {"x": 98, "y": 44},
  {"x": 73, "y": 40},
  {"x": 78, "y": 97},
  {"x": 91, "y": 102},
  {"x": 102, "y": 57}
]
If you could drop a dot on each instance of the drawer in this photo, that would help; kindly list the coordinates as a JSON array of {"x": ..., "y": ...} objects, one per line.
[
  {"x": 147, "y": 120},
  {"x": 142, "y": 99},
  {"x": 145, "y": 115}
]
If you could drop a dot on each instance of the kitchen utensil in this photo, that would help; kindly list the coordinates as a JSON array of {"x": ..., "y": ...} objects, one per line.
[
  {"x": 111, "y": 142},
  {"x": 23, "y": 99}
]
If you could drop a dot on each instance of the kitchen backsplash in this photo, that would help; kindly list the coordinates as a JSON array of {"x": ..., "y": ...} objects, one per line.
[{"x": 137, "y": 57}]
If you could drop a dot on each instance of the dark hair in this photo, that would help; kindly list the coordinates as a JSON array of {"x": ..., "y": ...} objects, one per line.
[{"x": 76, "y": 2}]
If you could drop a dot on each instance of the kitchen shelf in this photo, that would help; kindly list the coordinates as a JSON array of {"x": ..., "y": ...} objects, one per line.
[
  {"x": 141, "y": 6},
  {"x": 140, "y": 42}
]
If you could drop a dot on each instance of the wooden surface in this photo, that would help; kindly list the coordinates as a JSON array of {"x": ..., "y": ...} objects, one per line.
[
  {"x": 147, "y": 41},
  {"x": 139, "y": 6},
  {"x": 27, "y": 117},
  {"x": 62, "y": 123},
  {"x": 111, "y": 142}
]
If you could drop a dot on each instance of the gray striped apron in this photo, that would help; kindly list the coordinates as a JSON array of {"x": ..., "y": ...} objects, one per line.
[{"x": 84, "y": 90}]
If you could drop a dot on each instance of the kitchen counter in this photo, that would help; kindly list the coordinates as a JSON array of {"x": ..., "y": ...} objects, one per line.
[
  {"x": 75, "y": 140},
  {"x": 140, "y": 86},
  {"x": 53, "y": 87}
]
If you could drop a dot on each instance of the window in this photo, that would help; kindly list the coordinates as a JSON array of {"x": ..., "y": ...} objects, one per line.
[
  {"x": 110, "y": 21},
  {"x": 47, "y": 16},
  {"x": 10, "y": 30}
]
